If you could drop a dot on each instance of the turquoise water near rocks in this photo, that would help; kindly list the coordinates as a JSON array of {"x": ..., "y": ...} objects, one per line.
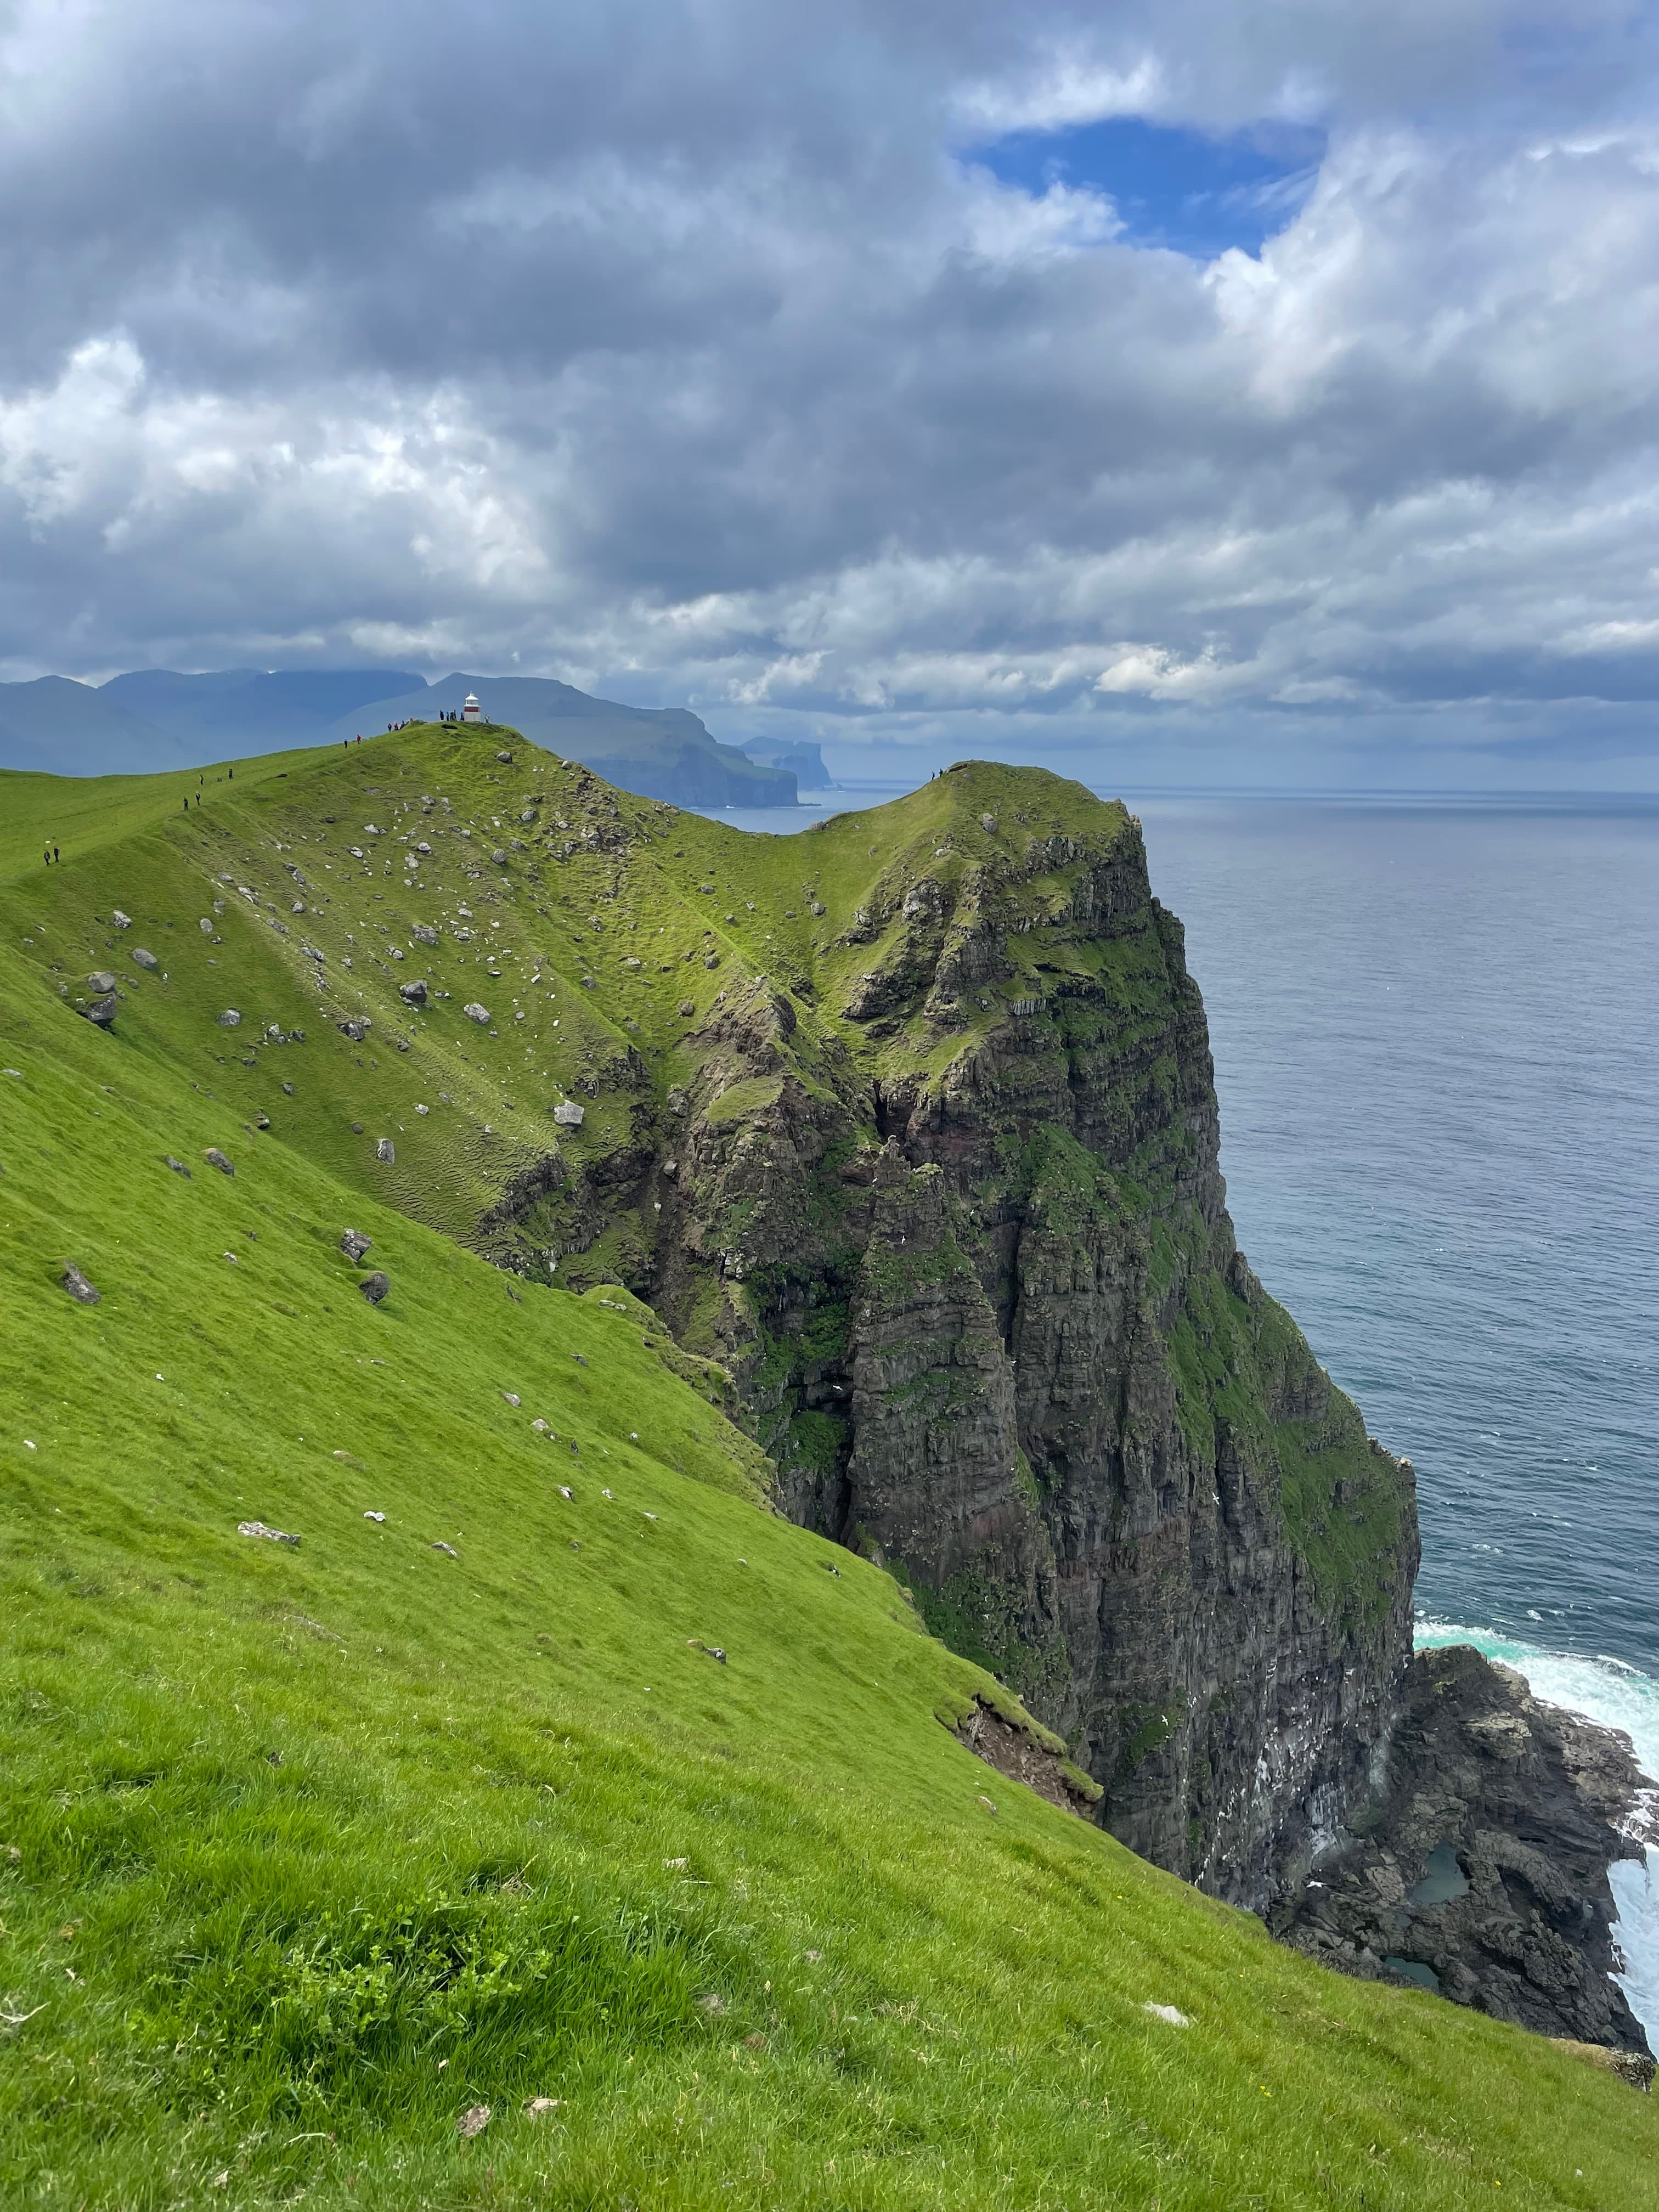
[{"x": 1435, "y": 1028}]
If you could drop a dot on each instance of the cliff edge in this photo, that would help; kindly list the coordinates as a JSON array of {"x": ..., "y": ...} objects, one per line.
[{"x": 936, "y": 1175}]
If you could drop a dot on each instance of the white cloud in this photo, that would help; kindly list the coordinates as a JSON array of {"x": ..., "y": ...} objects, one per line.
[{"x": 676, "y": 352}]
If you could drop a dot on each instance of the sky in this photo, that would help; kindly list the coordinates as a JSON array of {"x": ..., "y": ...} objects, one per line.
[{"x": 1238, "y": 393}]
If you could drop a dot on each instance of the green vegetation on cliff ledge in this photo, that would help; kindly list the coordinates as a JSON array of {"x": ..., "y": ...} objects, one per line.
[{"x": 308, "y": 1852}]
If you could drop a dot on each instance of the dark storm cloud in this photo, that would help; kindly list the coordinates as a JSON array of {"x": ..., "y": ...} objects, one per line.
[{"x": 690, "y": 352}]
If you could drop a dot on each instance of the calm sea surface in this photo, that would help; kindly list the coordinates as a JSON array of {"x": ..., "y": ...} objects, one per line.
[{"x": 1436, "y": 1027}]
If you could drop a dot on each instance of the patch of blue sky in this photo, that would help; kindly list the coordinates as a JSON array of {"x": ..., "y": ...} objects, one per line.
[{"x": 1176, "y": 188}]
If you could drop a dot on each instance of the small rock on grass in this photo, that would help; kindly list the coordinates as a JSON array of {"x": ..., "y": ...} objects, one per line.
[
  {"x": 386, "y": 1152},
  {"x": 100, "y": 980},
  {"x": 375, "y": 1286},
  {"x": 215, "y": 1159},
  {"x": 102, "y": 1012},
  {"x": 540, "y": 2107},
  {"x": 177, "y": 1167},
  {"x": 78, "y": 1287},
  {"x": 1172, "y": 2013},
  {"x": 353, "y": 1244},
  {"x": 511, "y": 1396},
  {"x": 448, "y": 1549},
  {"x": 373, "y": 1515},
  {"x": 145, "y": 959},
  {"x": 259, "y": 1528},
  {"x": 473, "y": 2121}
]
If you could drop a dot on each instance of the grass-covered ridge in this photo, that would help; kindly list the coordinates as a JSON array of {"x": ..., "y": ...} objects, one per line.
[{"x": 304, "y": 1853}]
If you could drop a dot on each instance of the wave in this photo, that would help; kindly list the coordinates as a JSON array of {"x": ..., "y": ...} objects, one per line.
[{"x": 1616, "y": 1695}]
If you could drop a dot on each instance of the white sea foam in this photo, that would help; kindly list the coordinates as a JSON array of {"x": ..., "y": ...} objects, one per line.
[{"x": 1607, "y": 1691}]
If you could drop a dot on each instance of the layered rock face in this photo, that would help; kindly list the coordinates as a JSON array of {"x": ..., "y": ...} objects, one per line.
[
  {"x": 942, "y": 1188},
  {"x": 1480, "y": 1868}
]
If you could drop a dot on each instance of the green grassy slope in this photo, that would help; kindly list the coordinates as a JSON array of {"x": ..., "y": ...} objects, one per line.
[{"x": 304, "y": 1852}]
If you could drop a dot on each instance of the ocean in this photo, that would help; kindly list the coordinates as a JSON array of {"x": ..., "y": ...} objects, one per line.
[{"x": 1435, "y": 1028}]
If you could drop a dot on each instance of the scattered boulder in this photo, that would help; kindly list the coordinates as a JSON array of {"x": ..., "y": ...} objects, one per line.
[
  {"x": 371, "y": 1515},
  {"x": 1632, "y": 2066},
  {"x": 511, "y": 1396},
  {"x": 100, "y": 980},
  {"x": 121, "y": 921},
  {"x": 505, "y": 759},
  {"x": 206, "y": 927},
  {"x": 540, "y": 2107},
  {"x": 448, "y": 1550},
  {"x": 215, "y": 1159},
  {"x": 262, "y": 1121},
  {"x": 422, "y": 933},
  {"x": 413, "y": 994},
  {"x": 353, "y": 1244},
  {"x": 102, "y": 1012},
  {"x": 988, "y": 823},
  {"x": 357, "y": 1029},
  {"x": 475, "y": 1012},
  {"x": 688, "y": 1007},
  {"x": 385, "y": 1152},
  {"x": 146, "y": 960},
  {"x": 1172, "y": 2013},
  {"x": 259, "y": 1528},
  {"x": 230, "y": 1018},
  {"x": 177, "y": 1167},
  {"x": 578, "y": 1359},
  {"x": 568, "y": 1114},
  {"x": 78, "y": 1287},
  {"x": 374, "y": 1287},
  {"x": 473, "y": 2121},
  {"x": 499, "y": 857}
]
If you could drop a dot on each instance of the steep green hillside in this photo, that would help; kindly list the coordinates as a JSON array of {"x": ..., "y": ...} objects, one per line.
[
  {"x": 908, "y": 1120},
  {"x": 308, "y": 1852}
]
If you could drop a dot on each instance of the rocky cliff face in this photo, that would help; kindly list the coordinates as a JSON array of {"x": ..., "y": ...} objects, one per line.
[
  {"x": 1480, "y": 1867},
  {"x": 941, "y": 1187}
]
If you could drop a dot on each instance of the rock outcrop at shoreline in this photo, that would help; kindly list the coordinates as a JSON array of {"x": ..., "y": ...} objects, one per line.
[{"x": 1480, "y": 1867}]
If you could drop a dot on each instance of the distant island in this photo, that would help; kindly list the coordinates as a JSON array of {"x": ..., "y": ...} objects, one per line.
[{"x": 154, "y": 719}]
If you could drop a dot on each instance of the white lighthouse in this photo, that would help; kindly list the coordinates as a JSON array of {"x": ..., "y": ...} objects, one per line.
[{"x": 470, "y": 710}]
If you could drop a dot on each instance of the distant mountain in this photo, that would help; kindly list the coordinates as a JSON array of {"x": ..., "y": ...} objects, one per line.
[
  {"x": 249, "y": 710},
  {"x": 154, "y": 718},
  {"x": 663, "y": 752},
  {"x": 796, "y": 754},
  {"x": 75, "y": 729}
]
